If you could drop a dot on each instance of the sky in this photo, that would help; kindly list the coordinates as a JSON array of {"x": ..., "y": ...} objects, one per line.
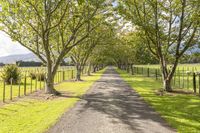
[{"x": 9, "y": 47}]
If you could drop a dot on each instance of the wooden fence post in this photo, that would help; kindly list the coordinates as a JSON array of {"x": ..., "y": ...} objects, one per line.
[
  {"x": 40, "y": 81},
  {"x": 179, "y": 79},
  {"x": 156, "y": 73},
  {"x": 183, "y": 85},
  {"x": 4, "y": 90},
  {"x": 57, "y": 76},
  {"x": 199, "y": 84},
  {"x": 63, "y": 75},
  {"x": 36, "y": 83},
  {"x": 142, "y": 71},
  {"x": 188, "y": 82},
  {"x": 188, "y": 74},
  {"x": 60, "y": 75},
  {"x": 44, "y": 82},
  {"x": 136, "y": 70},
  {"x": 194, "y": 83},
  {"x": 19, "y": 89},
  {"x": 11, "y": 82},
  {"x": 72, "y": 74},
  {"x": 148, "y": 72},
  {"x": 31, "y": 85},
  {"x": 25, "y": 85}
]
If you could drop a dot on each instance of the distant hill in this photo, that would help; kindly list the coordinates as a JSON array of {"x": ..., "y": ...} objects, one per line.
[{"x": 20, "y": 57}]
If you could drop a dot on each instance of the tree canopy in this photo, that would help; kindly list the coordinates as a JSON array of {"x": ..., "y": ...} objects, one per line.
[{"x": 94, "y": 33}]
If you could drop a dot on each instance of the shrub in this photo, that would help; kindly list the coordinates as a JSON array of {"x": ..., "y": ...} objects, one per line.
[
  {"x": 40, "y": 76},
  {"x": 33, "y": 75},
  {"x": 11, "y": 72}
]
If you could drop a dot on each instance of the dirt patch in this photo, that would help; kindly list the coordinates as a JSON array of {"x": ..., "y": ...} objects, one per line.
[{"x": 39, "y": 95}]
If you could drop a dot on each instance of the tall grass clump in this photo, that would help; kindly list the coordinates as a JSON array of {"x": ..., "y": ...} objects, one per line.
[{"x": 11, "y": 72}]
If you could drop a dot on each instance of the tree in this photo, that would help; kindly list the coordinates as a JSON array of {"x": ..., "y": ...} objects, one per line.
[
  {"x": 103, "y": 52},
  {"x": 81, "y": 53},
  {"x": 49, "y": 28},
  {"x": 170, "y": 27},
  {"x": 135, "y": 50}
]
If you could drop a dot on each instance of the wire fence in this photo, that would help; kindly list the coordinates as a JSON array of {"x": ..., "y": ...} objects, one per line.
[
  {"x": 184, "y": 78},
  {"x": 28, "y": 84}
]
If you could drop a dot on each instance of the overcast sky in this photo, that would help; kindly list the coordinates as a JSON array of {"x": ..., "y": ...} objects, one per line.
[{"x": 8, "y": 47}]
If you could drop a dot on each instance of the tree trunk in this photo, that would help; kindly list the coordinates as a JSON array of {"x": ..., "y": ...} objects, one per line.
[
  {"x": 49, "y": 88},
  {"x": 167, "y": 85},
  {"x": 82, "y": 70},
  {"x": 132, "y": 72},
  {"x": 88, "y": 70},
  {"x": 119, "y": 65},
  {"x": 78, "y": 72},
  {"x": 168, "y": 75},
  {"x": 127, "y": 68},
  {"x": 166, "y": 78},
  {"x": 78, "y": 75},
  {"x": 94, "y": 68},
  {"x": 97, "y": 68},
  {"x": 123, "y": 66}
]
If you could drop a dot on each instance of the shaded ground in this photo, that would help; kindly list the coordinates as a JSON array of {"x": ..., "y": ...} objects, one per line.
[{"x": 111, "y": 106}]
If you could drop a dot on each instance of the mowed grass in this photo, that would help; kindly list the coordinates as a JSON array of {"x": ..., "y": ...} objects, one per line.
[
  {"x": 35, "y": 116},
  {"x": 181, "y": 111}
]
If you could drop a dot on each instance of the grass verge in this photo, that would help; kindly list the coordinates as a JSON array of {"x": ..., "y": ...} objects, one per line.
[
  {"x": 34, "y": 115},
  {"x": 181, "y": 111}
]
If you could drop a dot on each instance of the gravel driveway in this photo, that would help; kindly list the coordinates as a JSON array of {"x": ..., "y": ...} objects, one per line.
[{"x": 111, "y": 106}]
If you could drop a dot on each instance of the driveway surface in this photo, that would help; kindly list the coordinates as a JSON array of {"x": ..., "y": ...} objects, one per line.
[{"x": 111, "y": 106}]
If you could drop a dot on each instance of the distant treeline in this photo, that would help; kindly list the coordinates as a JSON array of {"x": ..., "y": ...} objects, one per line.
[
  {"x": 35, "y": 64},
  {"x": 1, "y": 64},
  {"x": 28, "y": 63},
  {"x": 25, "y": 64}
]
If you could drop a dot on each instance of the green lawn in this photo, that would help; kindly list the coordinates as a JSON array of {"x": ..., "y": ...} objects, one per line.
[
  {"x": 181, "y": 111},
  {"x": 36, "y": 116}
]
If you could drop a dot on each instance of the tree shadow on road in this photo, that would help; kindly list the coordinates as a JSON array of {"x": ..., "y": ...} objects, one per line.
[{"x": 122, "y": 105}]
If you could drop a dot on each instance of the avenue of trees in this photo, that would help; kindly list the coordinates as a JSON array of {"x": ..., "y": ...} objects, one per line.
[
  {"x": 51, "y": 29},
  {"x": 93, "y": 33},
  {"x": 168, "y": 27}
]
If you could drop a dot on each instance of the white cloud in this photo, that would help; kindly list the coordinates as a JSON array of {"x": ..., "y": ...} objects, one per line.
[{"x": 9, "y": 47}]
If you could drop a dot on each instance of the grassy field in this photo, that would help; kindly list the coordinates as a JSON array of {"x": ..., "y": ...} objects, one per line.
[
  {"x": 189, "y": 67},
  {"x": 180, "y": 110},
  {"x": 31, "y": 115}
]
